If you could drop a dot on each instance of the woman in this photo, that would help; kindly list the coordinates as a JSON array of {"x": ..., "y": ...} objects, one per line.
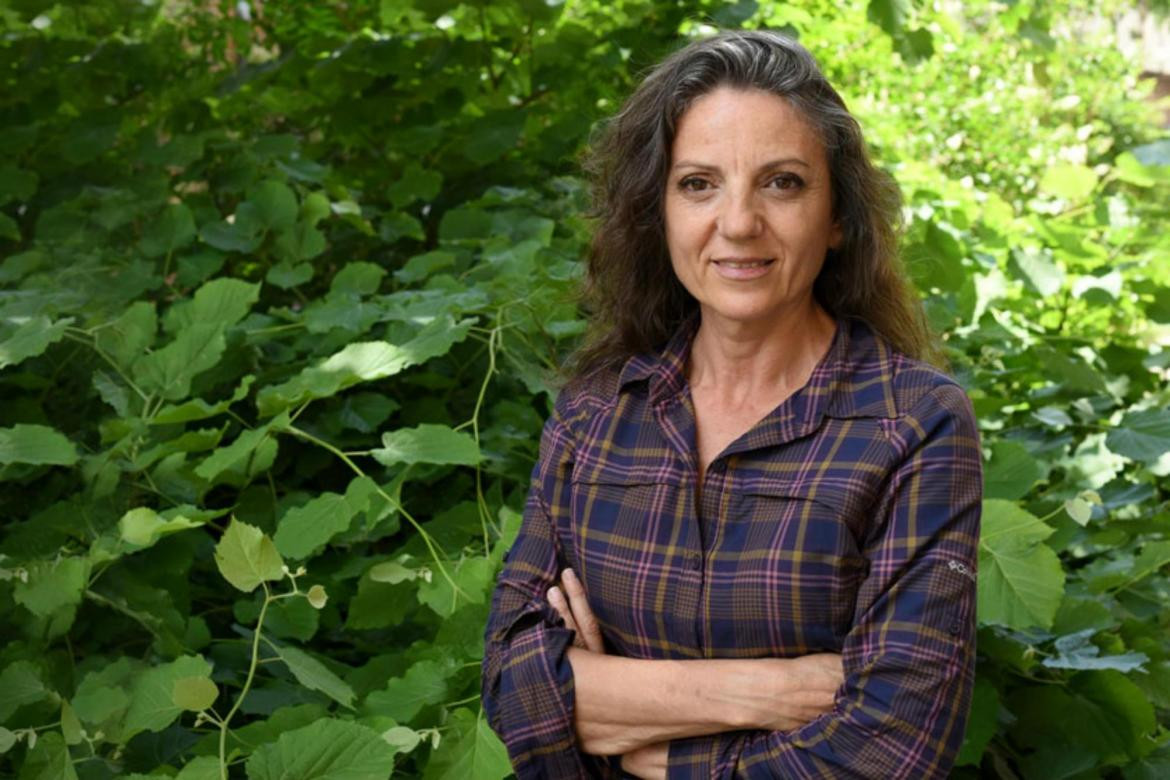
[{"x": 763, "y": 501}]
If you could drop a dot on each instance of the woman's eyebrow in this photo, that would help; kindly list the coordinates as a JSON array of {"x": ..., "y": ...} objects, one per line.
[{"x": 766, "y": 166}]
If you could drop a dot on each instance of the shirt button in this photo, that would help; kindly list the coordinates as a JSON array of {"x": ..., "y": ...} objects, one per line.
[
  {"x": 696, "y": 561},
  {"x": 956, "y": 627}
]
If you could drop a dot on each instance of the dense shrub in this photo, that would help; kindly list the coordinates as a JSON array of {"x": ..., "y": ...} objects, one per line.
[{"x": 280, "y": 300}]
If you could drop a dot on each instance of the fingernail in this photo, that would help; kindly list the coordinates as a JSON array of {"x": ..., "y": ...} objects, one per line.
[
  {"x": 554, "y": 592},
  {"x": 570, "y": 574}
]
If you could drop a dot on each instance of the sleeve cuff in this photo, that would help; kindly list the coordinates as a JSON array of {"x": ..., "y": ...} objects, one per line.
[{"x": 530, "y": 702}]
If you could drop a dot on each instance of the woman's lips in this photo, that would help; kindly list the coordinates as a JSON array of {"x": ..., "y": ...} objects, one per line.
[{"x": 740, "y": 269}]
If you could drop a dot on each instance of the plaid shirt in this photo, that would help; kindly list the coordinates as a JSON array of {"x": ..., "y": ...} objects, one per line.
[{"x": 847, "y": 521}]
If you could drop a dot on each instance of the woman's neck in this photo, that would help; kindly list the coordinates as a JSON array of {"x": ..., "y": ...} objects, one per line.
[{"x": 742, "y": 362}]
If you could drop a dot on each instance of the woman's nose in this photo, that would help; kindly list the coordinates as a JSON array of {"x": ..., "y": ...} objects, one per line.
[{"x": 740, "y": 217}]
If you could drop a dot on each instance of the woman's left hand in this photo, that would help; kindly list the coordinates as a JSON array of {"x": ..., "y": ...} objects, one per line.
[
  {"x": 576, "y": 612},
  {"x": 648, "y": 762}
]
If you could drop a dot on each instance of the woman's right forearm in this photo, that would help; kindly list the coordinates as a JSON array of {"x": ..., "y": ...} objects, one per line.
[{"x": 625, "y": 703}]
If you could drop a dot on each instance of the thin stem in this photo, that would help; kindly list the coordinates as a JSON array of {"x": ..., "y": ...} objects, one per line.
[
  {"x": 481, "y": 502},
  {"x": 223, "y": 729},
  {"x": 427, "y": 540},
  {"x": 89, "y": 342}
]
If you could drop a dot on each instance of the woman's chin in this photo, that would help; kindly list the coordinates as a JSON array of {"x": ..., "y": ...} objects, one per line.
[{"x": 743, "y": 312}]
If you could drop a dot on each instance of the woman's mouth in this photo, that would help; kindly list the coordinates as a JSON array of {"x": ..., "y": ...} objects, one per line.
[{"x": 740, "y": 269}]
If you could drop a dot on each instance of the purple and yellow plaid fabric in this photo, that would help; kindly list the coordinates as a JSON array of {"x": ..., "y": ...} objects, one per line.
[{"x": 845, "y": 521}]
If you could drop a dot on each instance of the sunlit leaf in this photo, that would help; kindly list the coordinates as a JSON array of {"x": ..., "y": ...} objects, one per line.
[
  {"x": 1020, "y": 578},
  {"x": 327, "y": 749},
  {"x": 246, "y": 557}
]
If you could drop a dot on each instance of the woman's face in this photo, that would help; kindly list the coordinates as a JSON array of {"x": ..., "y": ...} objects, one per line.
[{"x": 748, "y": 205}]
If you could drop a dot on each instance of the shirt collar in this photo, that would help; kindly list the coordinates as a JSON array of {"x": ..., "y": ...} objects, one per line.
[{"x": 853, "y": 379}]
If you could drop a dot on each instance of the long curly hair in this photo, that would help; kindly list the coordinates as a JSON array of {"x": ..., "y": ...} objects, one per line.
[{"x": 633, "y": 298}]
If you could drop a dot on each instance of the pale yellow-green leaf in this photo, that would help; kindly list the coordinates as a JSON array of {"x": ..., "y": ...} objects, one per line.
[
  {"x": 317, "y": 596},
  {"x": 246, "y": 557},
  {"x": 194, "y": 693},
  {"x": 143, "y": 526}
]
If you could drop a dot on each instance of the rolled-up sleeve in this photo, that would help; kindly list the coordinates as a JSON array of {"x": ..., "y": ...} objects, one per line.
[
  {"x": 528, "y": 692},
  {"x": 909, "y": 657}
]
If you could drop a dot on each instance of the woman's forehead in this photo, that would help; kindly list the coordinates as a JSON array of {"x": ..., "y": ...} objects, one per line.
[{"x": 730, "y": 123}]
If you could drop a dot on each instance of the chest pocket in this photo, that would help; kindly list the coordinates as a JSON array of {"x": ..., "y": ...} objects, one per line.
[
  {"x": 796, "y": 563},
  {"x": 627, "y": 531}
]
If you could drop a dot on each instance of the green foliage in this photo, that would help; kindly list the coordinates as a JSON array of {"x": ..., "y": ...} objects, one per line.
[{"x": 280, "y": 298}]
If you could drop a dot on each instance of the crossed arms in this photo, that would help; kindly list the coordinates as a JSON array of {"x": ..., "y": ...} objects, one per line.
[{"x": 908, "y": 659}]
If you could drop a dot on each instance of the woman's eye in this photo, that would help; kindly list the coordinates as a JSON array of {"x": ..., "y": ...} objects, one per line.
[
  {"x": 693, "y": 184},
  {"x": 787, "y": 181}
]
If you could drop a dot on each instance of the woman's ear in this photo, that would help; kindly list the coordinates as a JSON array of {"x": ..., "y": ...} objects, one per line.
[{"x": 835, "y": 236}]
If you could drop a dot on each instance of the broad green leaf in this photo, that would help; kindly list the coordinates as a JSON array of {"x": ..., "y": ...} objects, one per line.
[
  {"x": 237, "y": 236},
  {"x": 1076, "y": 651},
  {"x": 510, "y": 521},
  {"x": 939, "y": 261},
  {"x": 362, "y": 362},
  {"x": 96, "y": 703},
  {"x": 112, "y": 393},
  {"x": 276, "y": 205},
  {"x": 495, "y": 134},
  {"x": 70, "y": 725},
  {"x": 35, "y": 444},
  {"x": 424, "y": 683},
  {"x": 29, "y": 338},
  {"x": 421, "y": 266},
  {"x": 143, "y": 526},
  {"x": 1038, "y": 270},
  {"x": 224, "y": 301},
  {"x": 427, "y": 444},
  {"x": 20, "y": 684},
  {"x": 1011, "y": 472},
  {"x": 16, "y": 184},
  {"x": 1069, "y": 181},
  {"x": 49, "y": 760},
  {"x": 198, "y": 409},
  {"x": 477, "y": 752},
  {"x": 246, "y": 557},
  {"x": 173, "y": 228},
  {"x": 52, "y": 584},
  {"x": 200, "y": 768},
  {"x": 169, "y": 370},
  {"x": 247, "y": 738},
  {"x": 8, "y": 739},
  {"x": 1020, "y": 578},
  {"x": 327, "y": 749},
  {"x": 416, "y": 183},
  {"x": 292, "y": 618},
  {"x": 1143, "y": 436},
  {"x": 194, "y": 693},
  {"x": 474, "y": 577},
  {"x": 126, "y": 338},
  {"x": 9, "y": 228},
  {"x": 286, "y": 275},
  {"x": 982, "y": 723},
  {"x": 152, "y": 703},
  {"x": 314, "y": 675},
  {"x": 233, "y": 455},
  {"x": 464, "y": 223},
  {"x": 306, "y": 528},
  {"x": 1154, "y": 556},
  {"x": 358, "y": 278},
  {"x": 302, "y": 242},
  {"x": 890, "y": 15}
]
